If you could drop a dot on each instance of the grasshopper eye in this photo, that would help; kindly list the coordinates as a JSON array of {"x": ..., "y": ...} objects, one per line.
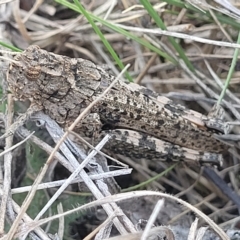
[{"x": 33, "y": 72}]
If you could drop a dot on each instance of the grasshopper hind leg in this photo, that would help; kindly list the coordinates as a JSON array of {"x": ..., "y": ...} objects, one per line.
[{"x": 139, "y": 145}]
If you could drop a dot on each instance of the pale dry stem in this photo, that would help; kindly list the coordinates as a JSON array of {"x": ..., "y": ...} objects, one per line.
[{"x": 7, "y": 168}]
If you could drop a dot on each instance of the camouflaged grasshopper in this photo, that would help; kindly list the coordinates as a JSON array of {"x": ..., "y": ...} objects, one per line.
[{"x": 142, "y": 123}]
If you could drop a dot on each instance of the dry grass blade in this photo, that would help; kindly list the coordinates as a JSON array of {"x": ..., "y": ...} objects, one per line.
[
  {"x": 193, "y": 230},
  {"x": 137, "y": 194},
  {"x": 152, "y": 219},
  {"x": 7, "y": 167}
]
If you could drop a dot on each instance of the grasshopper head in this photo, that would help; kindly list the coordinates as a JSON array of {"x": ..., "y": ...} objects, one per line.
[
  {"x": 24, "y": 73},
  {"x": 37, "y": 75}
]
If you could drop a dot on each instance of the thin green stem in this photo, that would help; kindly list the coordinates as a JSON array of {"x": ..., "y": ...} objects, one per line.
[
  {"x": 161, "y": 25},
  {"x": 104, "y": 40},
  {"x": 142, "y": 184},
  {"x": 230, "y": 73}
]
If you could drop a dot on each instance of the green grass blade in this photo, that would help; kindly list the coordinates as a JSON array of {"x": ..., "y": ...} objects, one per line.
[
  {"x": 142, "y": 184},
  {"x": 104, "y": 40},
  {"x": 15, "y": 49},
  {"x": 161, "y": 25},
  {"x": 120, "y": 30},
  {"x": 230, "y": 73}
]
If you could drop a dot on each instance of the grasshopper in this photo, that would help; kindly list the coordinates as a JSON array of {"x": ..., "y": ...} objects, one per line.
[{"x": 142, "y": 123}]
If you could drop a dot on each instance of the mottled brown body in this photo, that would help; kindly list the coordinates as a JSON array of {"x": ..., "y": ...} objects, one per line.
[{"x": 63, "y": 87}]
